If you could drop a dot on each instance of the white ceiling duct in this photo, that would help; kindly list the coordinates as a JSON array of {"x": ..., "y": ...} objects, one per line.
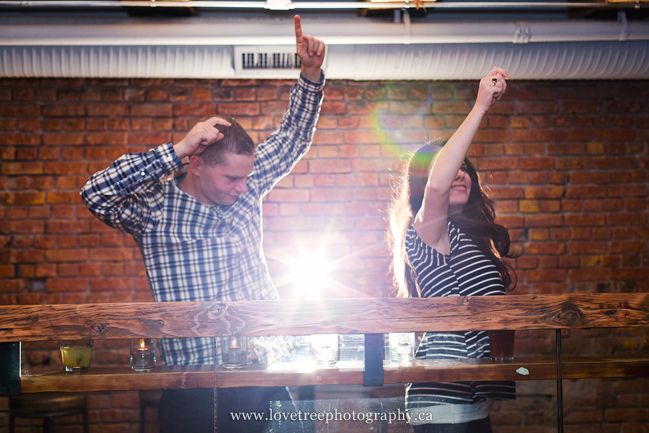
[
  {"x": 585, "y": 60},
  {"x": 566, "y": 49},
  {"x": 576, "y": 60}
]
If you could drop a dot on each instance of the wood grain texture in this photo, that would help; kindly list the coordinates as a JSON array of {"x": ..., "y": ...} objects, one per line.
[
  {"x": 301, "y": 317},
  {"x": 346, "y": 373},
  {"x": 116, "y": 379}
]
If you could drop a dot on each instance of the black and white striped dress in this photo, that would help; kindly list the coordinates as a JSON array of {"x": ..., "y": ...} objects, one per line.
[{"x": 465, "y": 271}]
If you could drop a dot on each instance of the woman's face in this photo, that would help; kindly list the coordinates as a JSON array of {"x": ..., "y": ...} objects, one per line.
[{"x": 460, "y": 189}]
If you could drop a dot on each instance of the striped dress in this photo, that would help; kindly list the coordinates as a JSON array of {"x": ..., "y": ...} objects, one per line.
[{"x": 465, "y": 271}]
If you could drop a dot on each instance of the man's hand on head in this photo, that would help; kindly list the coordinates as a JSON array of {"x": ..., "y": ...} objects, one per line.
[
  {"x": 310, "y": 50},
  {"x": 199, "y": 137}
]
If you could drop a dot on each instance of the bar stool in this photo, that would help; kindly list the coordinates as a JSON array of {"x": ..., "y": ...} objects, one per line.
[
  {"x": 47, "y": 406},
  {"x": 148, "y": 398}
]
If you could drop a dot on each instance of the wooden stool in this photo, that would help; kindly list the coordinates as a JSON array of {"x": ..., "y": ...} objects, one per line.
[
  {"x": 149, "y": 398},
  {"x": 48, "y": 406}
]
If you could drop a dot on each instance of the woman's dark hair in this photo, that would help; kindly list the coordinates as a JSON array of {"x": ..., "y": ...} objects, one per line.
[{"x": 476, "y": 220}]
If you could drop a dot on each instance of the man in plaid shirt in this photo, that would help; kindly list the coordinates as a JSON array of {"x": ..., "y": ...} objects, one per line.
[{"x": 200, "y": 230}]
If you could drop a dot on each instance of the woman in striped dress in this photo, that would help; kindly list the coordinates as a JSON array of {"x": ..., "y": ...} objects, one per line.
[{"x": 445, "y": 243}]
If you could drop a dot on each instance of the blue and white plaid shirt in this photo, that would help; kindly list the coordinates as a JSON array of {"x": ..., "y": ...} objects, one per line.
[{"x": 194, "y": 252}]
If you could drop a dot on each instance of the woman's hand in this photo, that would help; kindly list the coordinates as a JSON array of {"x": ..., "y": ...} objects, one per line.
[{"x": 492, "y": 88}]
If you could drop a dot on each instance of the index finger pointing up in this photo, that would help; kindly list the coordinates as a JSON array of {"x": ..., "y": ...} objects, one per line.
[{"x": 298, "y": 29}]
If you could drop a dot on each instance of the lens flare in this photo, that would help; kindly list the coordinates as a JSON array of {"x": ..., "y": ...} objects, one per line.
[{"x": 309, "y": 273}]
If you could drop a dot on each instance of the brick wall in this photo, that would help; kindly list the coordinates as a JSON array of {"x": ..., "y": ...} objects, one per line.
[{"x": 565, "y": 161}]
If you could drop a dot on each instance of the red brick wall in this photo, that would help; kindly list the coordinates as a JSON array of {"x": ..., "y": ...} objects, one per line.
[{"x": 565, "y": 161}]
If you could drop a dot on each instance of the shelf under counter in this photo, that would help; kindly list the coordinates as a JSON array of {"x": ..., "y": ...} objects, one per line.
[{"x": 50, "y": 379}]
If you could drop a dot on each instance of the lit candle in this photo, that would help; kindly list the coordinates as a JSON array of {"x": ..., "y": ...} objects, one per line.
[
  {"x": 143, "y": 354},
  {"x": 234, "y": 352}
]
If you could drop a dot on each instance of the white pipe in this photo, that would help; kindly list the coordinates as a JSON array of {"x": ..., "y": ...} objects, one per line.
[
  {"x": 258, "y": 33},
  {"x": 308, "y": 5}
]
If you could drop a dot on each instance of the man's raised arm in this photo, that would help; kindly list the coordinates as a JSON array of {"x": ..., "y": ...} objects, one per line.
[
  {"x": 311, "y": 52},
  {"x": 276, "y": 156}
]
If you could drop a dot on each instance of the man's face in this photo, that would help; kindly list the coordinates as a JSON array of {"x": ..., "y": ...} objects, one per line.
[{"x": 222, "y": 183}]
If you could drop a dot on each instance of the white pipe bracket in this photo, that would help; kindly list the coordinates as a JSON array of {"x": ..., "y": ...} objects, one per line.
[
  {"x": 279, "y": 5},
  {"x": 522, "y": 34},
  {"x": 624, "y": 35},
  {"x": 407, "y": 28}
]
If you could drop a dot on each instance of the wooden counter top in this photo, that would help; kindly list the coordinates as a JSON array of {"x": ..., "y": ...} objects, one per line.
[{"x": 324, "y": 316}]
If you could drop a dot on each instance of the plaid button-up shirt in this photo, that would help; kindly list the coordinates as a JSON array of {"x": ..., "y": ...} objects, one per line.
[{"x": 195, "y": 252}]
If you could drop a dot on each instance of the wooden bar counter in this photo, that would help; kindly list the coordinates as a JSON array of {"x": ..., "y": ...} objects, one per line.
[
  {"x": 339, "y": 316},
  {"x": 324, "y": 316}
]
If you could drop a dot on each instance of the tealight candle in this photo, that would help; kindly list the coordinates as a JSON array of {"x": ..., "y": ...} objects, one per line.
[
  {"x": 234, "y": 352},
  {"x": 325, "y": 350},
  {"x": 143, "y": 355}
]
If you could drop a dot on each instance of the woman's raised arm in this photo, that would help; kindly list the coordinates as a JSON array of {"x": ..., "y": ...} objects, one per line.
[{"x": 430, "y": 221}]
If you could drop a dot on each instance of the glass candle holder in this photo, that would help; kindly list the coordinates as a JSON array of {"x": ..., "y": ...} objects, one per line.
[
  {"x": 325, "y": 349},
  {"x": 235, "y": 352},
  {"x": 75, "y": 355},
  {"x": 143, "y": 354},
  {"x": 402, "y": 348}
]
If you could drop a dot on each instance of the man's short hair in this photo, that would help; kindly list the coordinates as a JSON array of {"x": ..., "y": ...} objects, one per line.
[{"x": 235, "y": 140}]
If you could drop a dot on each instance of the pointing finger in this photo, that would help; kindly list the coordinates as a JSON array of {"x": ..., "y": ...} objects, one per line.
[{"x": 298, "y": 29}]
